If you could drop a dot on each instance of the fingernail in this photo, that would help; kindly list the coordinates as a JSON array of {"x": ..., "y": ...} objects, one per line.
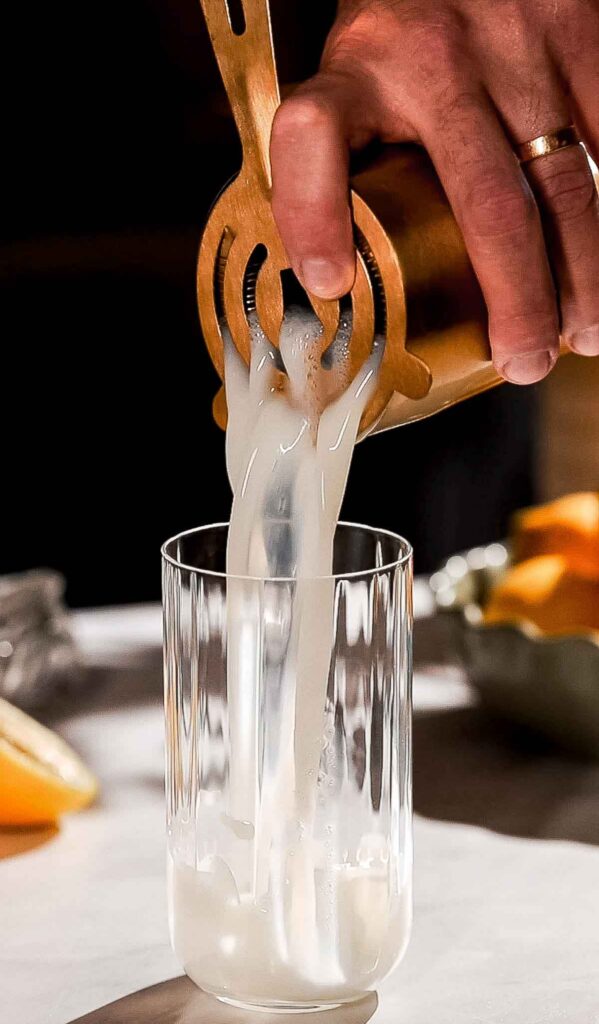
[
  {"x": 526, "y": 369},
  {"x": 325, "y": 278},
  {"x": 586, "y": 342}
]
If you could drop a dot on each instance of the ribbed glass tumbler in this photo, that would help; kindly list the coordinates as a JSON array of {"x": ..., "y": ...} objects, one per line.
[{"x": 288, "y": 770}]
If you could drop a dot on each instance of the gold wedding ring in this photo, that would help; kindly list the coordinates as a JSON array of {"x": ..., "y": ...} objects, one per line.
[{"x": 544, "y": 145}]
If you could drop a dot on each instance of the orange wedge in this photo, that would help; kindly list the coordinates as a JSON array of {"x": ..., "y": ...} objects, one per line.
[
  {"x": 545, "y": 592},
  {"x": 568, "y": 527},
  {"x": 40, "y": 776}
]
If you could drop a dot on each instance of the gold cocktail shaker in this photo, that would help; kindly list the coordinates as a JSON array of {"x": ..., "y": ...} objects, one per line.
[{"x": 414, "y": 282}]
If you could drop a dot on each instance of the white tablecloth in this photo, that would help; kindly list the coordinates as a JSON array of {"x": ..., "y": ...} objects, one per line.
[{"x": 507, "y": 863}]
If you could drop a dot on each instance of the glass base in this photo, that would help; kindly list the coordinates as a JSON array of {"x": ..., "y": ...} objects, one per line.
[{"x": 278, "y": 1007}]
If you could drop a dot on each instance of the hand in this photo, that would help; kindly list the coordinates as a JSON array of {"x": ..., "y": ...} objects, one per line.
[{"x": 469, "y": 80}]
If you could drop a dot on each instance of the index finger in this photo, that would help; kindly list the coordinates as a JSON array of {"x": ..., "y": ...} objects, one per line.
[{"x": 310, "y": 193}]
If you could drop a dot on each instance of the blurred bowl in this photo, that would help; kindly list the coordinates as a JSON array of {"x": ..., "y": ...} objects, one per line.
[{"x": 547, "y": 683}]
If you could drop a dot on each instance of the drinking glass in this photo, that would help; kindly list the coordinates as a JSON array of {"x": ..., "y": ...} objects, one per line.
[{"x": 288, "y": 770}]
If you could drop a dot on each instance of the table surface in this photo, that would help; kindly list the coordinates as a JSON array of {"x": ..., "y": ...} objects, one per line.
[{"x": 506, "y": 881}]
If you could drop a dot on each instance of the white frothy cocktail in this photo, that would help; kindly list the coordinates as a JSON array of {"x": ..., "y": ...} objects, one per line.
[{"x": 297, "y": 899}]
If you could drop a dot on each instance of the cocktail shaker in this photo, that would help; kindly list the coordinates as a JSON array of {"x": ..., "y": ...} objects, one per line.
[{"x": 414, "y": 285}]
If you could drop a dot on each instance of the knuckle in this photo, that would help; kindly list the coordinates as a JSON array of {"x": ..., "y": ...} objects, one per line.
[
  {"x": 439, "y": 50},
  {"x": 441, "y": 84},
  {"x": 530, "y": 329},
  {"x": 438, "y": 40},
  {"x": 499, "y": 210},
  {"x": 569, "y": 190},
  {"x": 300, "y": 114},
  {"x": 521, "y": 327},
  {"x": 306, "y": 214},
  {"x": 435, "y": 59}
]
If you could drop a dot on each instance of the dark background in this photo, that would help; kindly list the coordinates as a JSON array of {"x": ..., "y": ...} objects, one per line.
[{"x": 116, "y": 139}]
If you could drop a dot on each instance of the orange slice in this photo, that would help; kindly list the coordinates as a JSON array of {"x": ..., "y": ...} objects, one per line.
[
  {"x": 545, "y": 592},
  {"x": 40, "y": 776},
  {"x": 568, "y": 527}
]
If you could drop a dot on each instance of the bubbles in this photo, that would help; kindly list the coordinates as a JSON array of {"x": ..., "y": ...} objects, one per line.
[{"x": 373, "y": 851}]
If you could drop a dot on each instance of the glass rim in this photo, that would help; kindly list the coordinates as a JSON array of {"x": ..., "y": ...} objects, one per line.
[{"x": 404, "y": 559}]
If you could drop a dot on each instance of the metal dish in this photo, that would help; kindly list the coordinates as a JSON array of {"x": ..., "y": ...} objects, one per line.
[{"x": 550, "y": 684}]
